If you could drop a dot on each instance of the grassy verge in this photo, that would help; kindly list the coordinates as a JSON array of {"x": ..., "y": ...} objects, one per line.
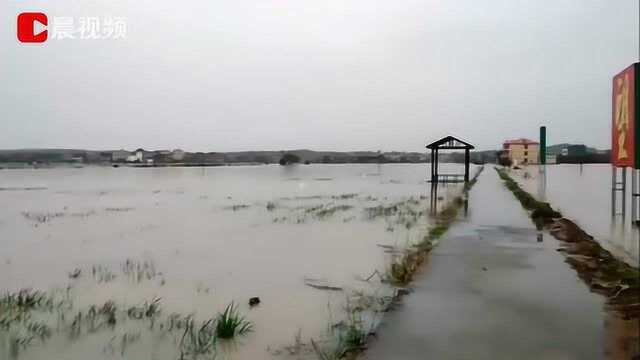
[
  {"x": 598, "y": 268},
  {"x": 541, "y": 212}
]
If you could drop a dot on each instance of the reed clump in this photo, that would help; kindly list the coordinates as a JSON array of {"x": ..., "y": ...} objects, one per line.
[
  {"x": 230, "y": 323},
  {"x": 347, "y": 339},
  {"x": 198, "y": 340}
]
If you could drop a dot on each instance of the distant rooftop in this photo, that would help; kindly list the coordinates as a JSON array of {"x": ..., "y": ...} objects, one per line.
[{"x": 521, "y": 141}]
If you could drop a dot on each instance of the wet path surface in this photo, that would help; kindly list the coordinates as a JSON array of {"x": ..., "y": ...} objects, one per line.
[{"x": 492, "y": 290}]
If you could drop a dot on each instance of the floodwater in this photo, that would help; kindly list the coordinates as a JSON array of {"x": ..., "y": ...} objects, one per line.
[
  {"x": 496, "y": 288},
  {"x": 196, "y": 239},
  {"x": 583, "y": 194}
]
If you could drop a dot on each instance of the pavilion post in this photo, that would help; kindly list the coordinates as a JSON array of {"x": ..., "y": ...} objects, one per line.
[
  {"x": 432, "y": 166},
  {"x": 436, "y": 167},
  {"x": 466, "y": 165}
]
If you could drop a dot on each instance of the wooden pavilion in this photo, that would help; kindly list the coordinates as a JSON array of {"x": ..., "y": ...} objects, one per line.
[{"x": 449, "y": 143}]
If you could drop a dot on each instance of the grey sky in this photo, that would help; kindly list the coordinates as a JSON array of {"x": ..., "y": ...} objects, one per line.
[{"x": 327, "y": 75}]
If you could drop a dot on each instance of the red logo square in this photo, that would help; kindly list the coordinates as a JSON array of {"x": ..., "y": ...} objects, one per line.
[{"x": 29, "y": 21}]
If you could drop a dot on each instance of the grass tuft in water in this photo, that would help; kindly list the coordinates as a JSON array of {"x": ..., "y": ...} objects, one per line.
[
  {"x": 346, "y": 339},
  {"x": 328, "y": 211},
  {"x": 404, "y": 267},
  {"x": 148, "y": 309},
  {"x": 200, "y": 340},
  {"x": 26, "y": 300},
  {"x": 230, "y": 323}
]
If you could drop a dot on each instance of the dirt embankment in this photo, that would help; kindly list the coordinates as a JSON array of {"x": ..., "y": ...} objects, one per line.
[{"x": 616, "y": 280}]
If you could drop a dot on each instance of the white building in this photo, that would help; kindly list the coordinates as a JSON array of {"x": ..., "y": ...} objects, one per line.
[{"x": 140, "y": 155}]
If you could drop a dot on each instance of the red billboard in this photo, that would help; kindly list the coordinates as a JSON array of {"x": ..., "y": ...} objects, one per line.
[{"x": 625, "y": 123}]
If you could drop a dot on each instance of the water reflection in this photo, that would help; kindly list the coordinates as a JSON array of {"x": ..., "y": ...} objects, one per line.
[
  {"x": 635, "y": 197},
  {"x": 585, "y": 196},
  {"x": 542, "y": 183},
  {"x": 433, "y": 204},
  {"x": 436, "y": 201},
  {"x": 622, "y": 337}
]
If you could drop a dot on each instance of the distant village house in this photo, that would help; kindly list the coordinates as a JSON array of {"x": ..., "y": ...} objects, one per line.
[
  {"x": 120, "y": 156},
  {"x": 522, "y": 151}
]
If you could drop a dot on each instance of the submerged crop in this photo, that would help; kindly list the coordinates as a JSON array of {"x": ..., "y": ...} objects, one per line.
[{"x": 230, "y": 323}]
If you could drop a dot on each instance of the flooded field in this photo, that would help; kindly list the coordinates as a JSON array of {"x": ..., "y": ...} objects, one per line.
[
  {"x": 134, "y": 263},
  {"x": 583, "y": 194}
]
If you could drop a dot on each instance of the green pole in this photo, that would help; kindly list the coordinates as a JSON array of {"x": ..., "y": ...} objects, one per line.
[{"x": 543, "y": 145}]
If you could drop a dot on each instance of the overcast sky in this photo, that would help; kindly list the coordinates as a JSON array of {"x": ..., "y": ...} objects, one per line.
[{"x": 326, "y": 75}]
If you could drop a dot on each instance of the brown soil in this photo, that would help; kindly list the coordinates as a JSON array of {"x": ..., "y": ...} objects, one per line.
[{"x": 616, "y": 280}]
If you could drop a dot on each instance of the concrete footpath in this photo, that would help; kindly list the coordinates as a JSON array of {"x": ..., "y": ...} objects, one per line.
[{"x": 492, "y": 289}]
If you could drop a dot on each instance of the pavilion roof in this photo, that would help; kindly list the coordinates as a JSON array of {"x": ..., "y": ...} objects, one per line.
[{"x": 450, "y": 142}]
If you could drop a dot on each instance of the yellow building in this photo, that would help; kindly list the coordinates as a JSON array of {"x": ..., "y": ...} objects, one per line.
[{"x": 522, "y": 151}]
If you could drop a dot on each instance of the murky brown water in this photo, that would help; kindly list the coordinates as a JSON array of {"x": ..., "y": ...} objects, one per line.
[
  {"x": 199, "y": 238},
  {"x": 583, "y": 194}
]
